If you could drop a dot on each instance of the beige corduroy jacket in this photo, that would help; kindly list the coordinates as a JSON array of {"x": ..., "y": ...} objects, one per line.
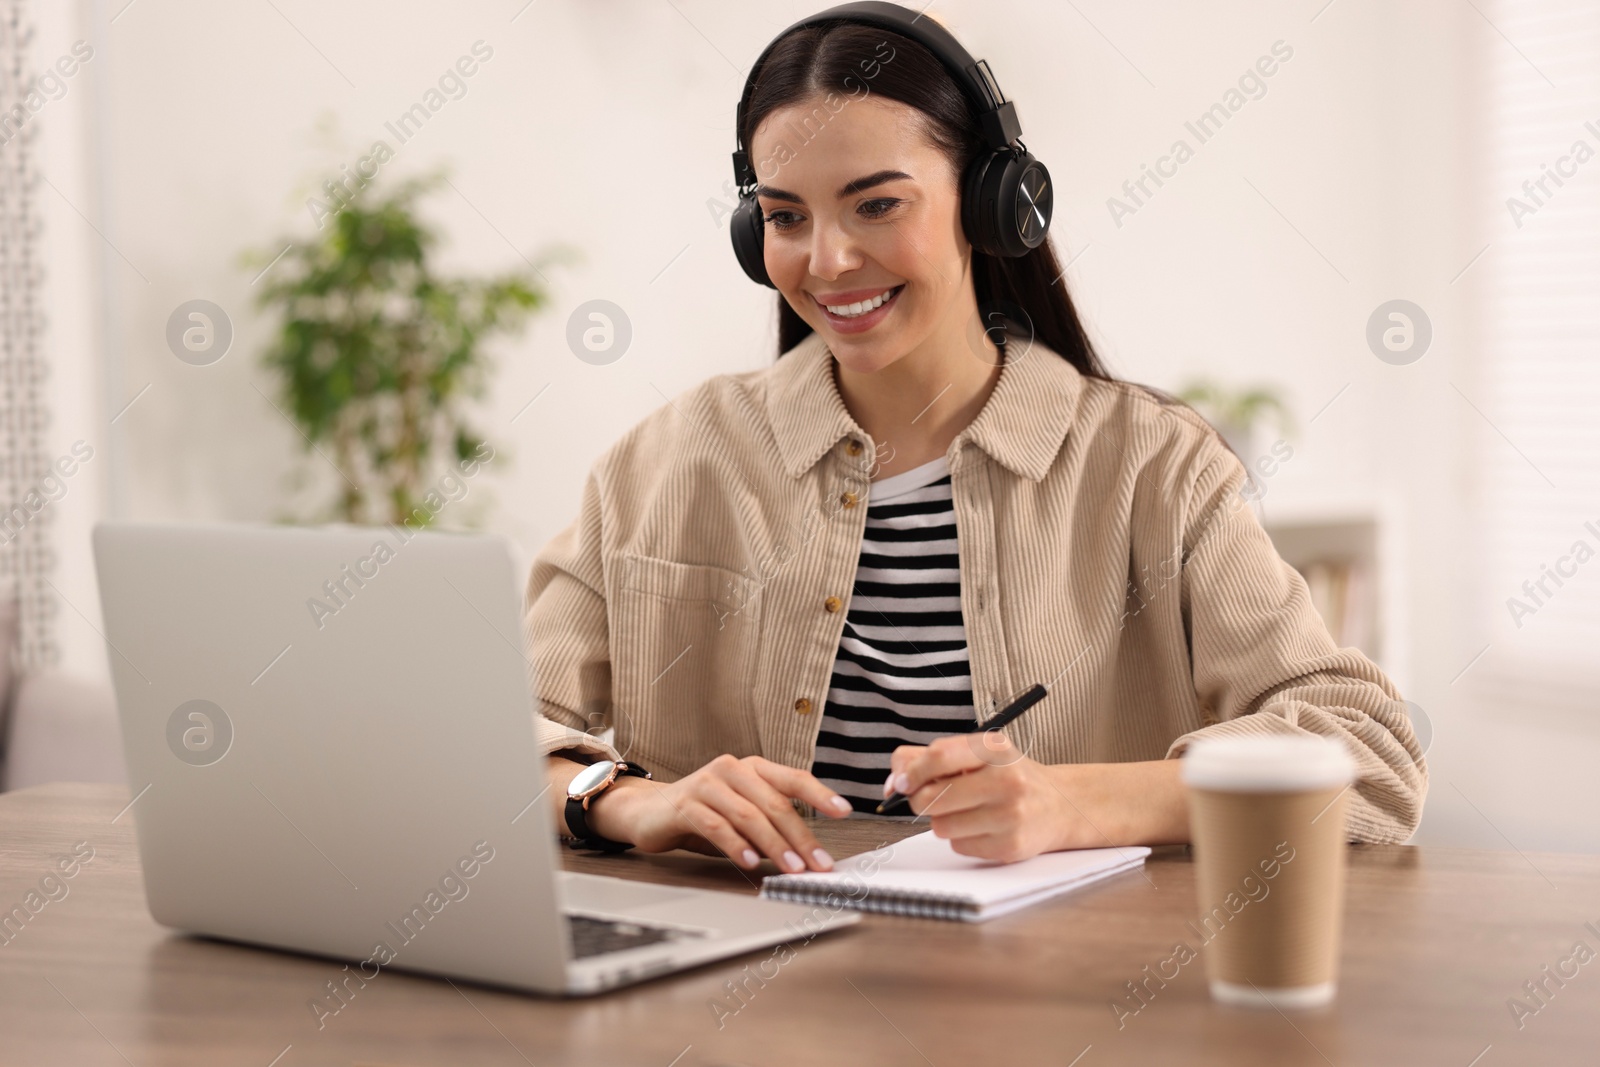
[{"x": 1105, "y": 548}]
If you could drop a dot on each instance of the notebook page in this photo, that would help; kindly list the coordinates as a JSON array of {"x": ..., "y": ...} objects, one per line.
[
  {"x": 1011, "y": 904},
  {"x": 926, "y": 864}
]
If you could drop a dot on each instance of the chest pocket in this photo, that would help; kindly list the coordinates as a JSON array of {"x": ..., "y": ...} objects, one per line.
[{"x": 683, "y": 661}]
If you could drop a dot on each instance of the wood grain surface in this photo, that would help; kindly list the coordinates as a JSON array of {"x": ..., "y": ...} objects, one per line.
[{"x": 1437, "y": 944}]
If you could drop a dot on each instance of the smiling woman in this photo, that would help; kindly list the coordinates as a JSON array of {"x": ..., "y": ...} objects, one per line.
[{"x": 988, "y": 491}]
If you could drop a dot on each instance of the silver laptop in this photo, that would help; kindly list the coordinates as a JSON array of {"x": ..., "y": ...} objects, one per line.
[{"x": 329, "y": 734}]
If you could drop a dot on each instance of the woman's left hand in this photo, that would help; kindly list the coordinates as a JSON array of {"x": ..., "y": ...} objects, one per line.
[{"x": 992, "y": 801}]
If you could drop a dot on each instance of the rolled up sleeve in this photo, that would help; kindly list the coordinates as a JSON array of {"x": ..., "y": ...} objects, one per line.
[
  {"x": 1264, "y": 662},
  {"x": 566, "y": 631}
]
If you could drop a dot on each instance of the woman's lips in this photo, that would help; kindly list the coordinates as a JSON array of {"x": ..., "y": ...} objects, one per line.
[{"x": 862, "y": 323}]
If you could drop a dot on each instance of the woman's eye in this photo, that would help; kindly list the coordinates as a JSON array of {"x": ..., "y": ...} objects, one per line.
[{"x": 871, "y": 209}]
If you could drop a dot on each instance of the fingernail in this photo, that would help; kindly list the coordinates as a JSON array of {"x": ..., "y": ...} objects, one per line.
[
  {"x": 750, "y": 857},
  {"x": 888, "y": 785},
  {"x": 902, "y": 784},
  {"x": 822, "y": 857},
  {"x": 792, "y": 860},
  {"x": 841, "y": 805}
]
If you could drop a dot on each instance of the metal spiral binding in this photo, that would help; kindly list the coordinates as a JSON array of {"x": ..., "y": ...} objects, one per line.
[{"x": 919, "y": 904}]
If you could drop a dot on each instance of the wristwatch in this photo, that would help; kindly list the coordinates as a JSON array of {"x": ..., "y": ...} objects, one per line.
[{"x": 587, "y": 784}]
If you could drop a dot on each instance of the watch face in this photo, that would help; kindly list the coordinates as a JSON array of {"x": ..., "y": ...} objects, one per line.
[{"x": 590, "y": 778}]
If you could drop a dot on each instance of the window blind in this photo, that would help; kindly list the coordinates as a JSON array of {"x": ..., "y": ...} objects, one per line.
[{"x": 1538, "y": 301}]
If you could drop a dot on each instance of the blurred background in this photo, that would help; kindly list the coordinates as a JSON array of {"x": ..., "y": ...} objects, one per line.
[{"x": 1376, "y": 267}]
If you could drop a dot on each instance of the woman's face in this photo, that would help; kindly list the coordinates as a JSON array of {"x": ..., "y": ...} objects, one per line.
[{"x": 865, "y": 206}]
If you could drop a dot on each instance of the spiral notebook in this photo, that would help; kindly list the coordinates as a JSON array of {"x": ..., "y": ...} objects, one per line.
[{"x": 923, "y": 876}]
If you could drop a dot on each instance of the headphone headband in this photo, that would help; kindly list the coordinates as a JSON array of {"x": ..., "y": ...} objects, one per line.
[{"x": 997, "y": 116}]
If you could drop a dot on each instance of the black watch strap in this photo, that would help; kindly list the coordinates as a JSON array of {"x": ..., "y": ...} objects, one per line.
[{"x": 578, "y": 822}]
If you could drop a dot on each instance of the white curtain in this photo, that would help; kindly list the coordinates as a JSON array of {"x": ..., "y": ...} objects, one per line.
[{"x": 26, "y": 557}]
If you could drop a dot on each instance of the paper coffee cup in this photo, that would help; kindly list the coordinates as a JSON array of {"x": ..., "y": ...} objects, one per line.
[{"x": 1267, "y": 824}]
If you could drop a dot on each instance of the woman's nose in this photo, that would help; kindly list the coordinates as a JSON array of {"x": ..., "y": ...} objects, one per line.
[{"x": 833, "y": 251}]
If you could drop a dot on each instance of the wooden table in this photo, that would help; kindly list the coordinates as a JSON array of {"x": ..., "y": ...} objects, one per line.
[{"x": 1437, "y": 942}]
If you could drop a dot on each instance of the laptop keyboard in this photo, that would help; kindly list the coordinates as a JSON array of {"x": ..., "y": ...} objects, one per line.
[{"x": 594, "y": 937}]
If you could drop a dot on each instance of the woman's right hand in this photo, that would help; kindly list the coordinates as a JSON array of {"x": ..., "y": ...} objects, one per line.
[{"x": 736, "y": 806}]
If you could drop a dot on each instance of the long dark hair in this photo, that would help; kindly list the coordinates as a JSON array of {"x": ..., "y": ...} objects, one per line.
[{"x": 828, "y": 57}]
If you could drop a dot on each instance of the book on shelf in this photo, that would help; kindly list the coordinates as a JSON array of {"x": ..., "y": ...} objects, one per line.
[{"x": 1341, "y": 591}]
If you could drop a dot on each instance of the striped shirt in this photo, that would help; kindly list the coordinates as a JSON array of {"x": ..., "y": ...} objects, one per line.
[{"x": 900, "y": 676}]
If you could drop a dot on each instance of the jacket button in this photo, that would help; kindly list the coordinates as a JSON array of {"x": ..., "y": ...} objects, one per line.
[
  {"x": 854, "y": 447},
  {"x": 833, "y": 604},
  {"x": 803, "y": 706},
  {"x": 848, "y": 500}
]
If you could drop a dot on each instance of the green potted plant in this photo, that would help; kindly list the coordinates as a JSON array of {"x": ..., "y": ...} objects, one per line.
[
  {"x": 1239, "y": 415},
  {"x": 377, "y": 355}
]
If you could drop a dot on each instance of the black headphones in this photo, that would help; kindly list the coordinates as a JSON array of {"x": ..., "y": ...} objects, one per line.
[{"x": 1005, "y": 192}]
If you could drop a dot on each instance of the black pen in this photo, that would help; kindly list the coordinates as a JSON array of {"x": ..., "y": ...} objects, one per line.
[{"x": 1007, "y": 715}]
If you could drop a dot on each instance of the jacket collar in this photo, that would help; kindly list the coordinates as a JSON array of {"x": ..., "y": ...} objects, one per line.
[{"x": 1021, "y": 426}]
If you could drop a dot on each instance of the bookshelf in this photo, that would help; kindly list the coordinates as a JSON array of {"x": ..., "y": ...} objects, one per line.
[{"x": 1341, "y": 558}]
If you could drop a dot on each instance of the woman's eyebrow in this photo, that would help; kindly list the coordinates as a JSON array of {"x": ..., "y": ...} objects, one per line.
[{"x": 857, "y": 186}]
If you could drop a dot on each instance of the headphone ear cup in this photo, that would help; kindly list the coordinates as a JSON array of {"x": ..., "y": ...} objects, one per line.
[
  {"x": 1031, "y": 198},
  {"x": 747, "y": 229},
  {"x": 977, "y": 207},
  {"x": 1006, "y": 204}
]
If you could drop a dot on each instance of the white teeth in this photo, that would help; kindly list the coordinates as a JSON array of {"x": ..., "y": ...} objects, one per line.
[{"x": 860, "y": 307}]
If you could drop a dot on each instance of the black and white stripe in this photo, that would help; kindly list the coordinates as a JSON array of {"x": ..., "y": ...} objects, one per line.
[{"x": 900, "y": 676}]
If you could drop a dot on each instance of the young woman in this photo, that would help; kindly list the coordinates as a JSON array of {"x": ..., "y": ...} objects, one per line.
[{"x": 798, "y": 588}]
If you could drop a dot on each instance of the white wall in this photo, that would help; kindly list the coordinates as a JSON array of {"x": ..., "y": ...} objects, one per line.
[{"x": 607, "y": 126}]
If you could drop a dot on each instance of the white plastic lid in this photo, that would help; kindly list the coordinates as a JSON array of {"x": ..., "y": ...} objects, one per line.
[{"x": 1268, "y": 764}]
